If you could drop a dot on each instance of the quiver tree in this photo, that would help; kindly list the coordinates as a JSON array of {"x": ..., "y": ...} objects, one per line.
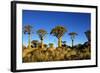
[
  {"x": 58, "y": 32},
  {"x": 73, "y": 34},
  {"x": 41, "y": 33},
  {"x": 28, "y": 30}
]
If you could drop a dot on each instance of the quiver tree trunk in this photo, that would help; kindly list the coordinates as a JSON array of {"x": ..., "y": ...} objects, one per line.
[
  {"x": 29, "y": 41},
  {"x": 72, "y": 42},
  {"x": 42, "y": 43},
  {"x": 60, "y": 42}
]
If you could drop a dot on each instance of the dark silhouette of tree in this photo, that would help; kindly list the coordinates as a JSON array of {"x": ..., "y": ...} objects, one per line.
[
  {"x": 88, "y": 35},
  {"x": 41, "y": 33},
  {"x": 28, "y": 30},
  {"x": 35, "y": 43},
  {"x": 45, "y": 46},
  {"x": 73, "y": 34},
  {"x": 58, "y": 32},
  {"x": 64, "y": 43}
]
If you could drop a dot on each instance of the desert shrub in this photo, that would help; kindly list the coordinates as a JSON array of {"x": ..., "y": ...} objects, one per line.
[{"x": 51, "y": 45}]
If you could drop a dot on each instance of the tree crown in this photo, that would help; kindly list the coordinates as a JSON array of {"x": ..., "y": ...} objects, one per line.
[
  {"x": 58, "y": 31},
  {"x": 41, "y": 33}
]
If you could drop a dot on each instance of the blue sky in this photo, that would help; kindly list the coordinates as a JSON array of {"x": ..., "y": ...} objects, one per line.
[{"x": 72, "y": 21}]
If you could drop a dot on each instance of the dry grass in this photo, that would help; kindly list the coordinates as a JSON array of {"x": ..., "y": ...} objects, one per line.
[{"x": 55, "y": 54}]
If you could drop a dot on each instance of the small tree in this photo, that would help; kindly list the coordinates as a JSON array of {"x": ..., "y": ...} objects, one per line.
[
  {"x": 64, "y": 43},
  {"x": 41, "y": 33},
  {"x": 73, "y": 34},
  {"x": 35, "y": 43}
]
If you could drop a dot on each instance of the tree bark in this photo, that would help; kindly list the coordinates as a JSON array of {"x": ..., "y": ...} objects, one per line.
[
  {"x": 72, "y": 43},
  {"x": 59, "y": 42},
  {"x": 42, "y": 43},
  {"x": 29, "y": 41}
]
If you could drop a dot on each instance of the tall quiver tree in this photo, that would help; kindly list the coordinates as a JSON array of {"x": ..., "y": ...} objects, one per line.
[
  {"x": 41, "y": 33},
  {"x": 73, "y": 34},
  {"x": 58, "y": 32},
  {"x": 28, "y": 30},
  {"x": 88, "y": 35}
]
